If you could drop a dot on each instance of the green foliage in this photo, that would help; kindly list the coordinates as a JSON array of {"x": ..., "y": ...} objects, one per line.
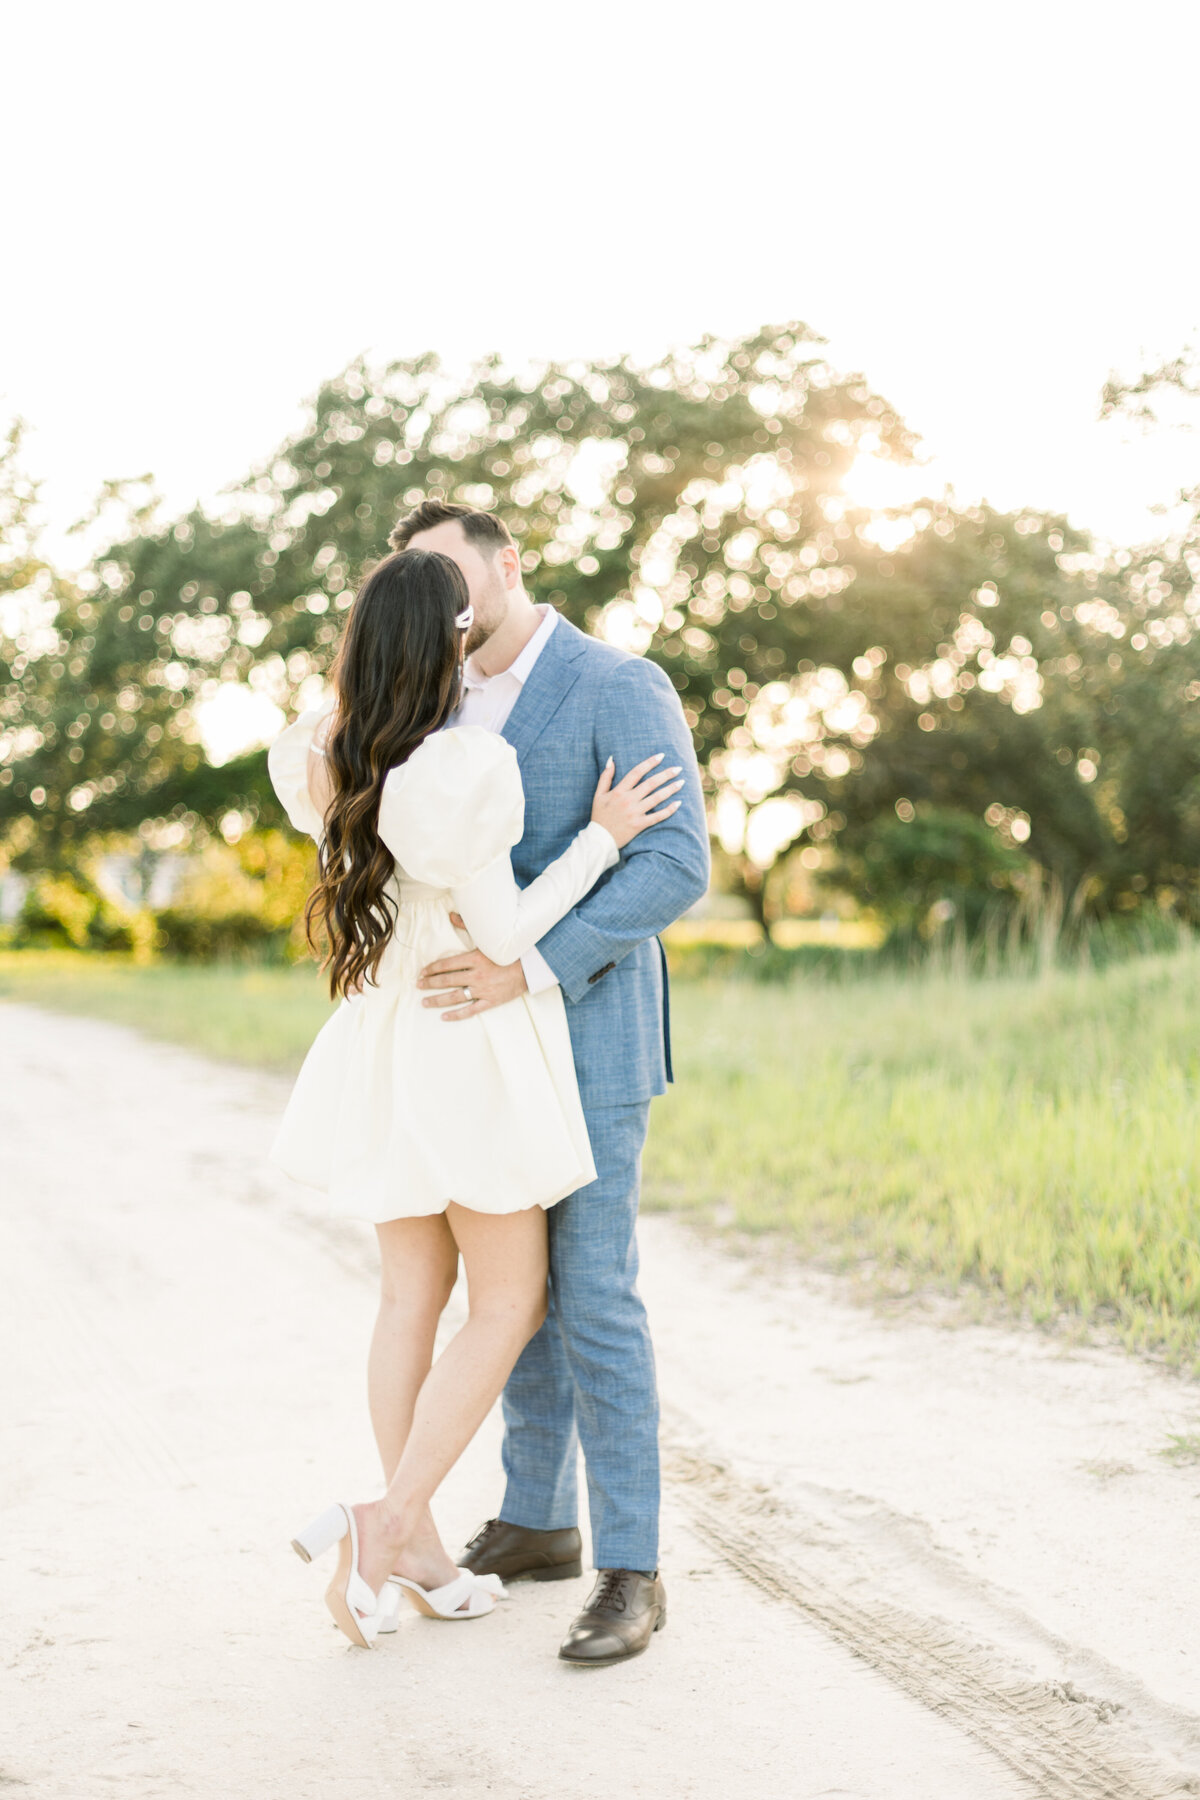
[
  {"x": 626, "y": 487},
  {"x": 191, "y": 934},
  {"x": 947, "y": 864},
  {"x": 61, "y": 911},
  {"x": 267, "y": 873},
  {"x": 257, "y": 1015},
  {"x": 766, "y": 962},
  {"x": 1055, "y": 698},
  {"x": 1032, "y": 1136},
  {"x": 39, "y": 619},
  {"x": 957, "y": 661},
  {"x": 58, "y": 908},
  {"x": 241, "y": 900},
  {"x": 1182, "y": 1448}
]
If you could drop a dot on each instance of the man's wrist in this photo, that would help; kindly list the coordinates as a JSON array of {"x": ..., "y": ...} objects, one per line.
[{"x": 539, "y": 976}]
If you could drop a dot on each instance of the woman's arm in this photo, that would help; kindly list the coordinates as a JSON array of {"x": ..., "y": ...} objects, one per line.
[
  {"x": 320, "y": 781},
  {"x": 298, "y": 773},
  {"x": 506, "y": 920}
]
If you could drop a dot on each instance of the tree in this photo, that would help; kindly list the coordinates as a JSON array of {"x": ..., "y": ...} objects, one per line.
[
  {"x": 1059, "y": 707},
  {"x": 40, "y": 620},
  {"x": 930, "y": 865},
  {"x": 844, "y": 676},
  {"x": 688, "y": 509}
]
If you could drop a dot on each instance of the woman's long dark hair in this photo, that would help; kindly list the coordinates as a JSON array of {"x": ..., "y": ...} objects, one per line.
[{"x": 397, "y": 677}]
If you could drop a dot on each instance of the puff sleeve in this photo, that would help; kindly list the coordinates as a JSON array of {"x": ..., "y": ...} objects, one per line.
[
  {"x": 455, "y": 806},
  {"x": 451, "y": 815},
  {"x": 287, "y": 765}
]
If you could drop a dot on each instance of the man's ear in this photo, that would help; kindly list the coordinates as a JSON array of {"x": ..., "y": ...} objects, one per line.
[{"x": 510, "y": 564}]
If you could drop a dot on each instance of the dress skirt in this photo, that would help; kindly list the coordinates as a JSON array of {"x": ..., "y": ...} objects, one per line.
[{"x": 396, "y": 1111}]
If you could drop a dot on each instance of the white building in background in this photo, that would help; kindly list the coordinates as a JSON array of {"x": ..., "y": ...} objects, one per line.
[
  {"x": 149, "y": 878},
  {"x": 13, "y": 889}
]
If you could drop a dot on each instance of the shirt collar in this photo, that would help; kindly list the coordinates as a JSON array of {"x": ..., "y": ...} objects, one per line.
[{"x": 521, "y": 666}]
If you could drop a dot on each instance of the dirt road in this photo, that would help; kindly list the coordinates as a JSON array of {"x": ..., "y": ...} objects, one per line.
[{"x": 905, "y": 1562}]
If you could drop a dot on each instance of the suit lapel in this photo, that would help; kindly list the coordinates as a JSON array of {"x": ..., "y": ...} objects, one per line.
[{"x": 551, "y": 679}]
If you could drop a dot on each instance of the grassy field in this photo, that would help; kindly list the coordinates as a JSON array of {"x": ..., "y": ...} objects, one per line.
[
  {"x": 1034, "y": 1136},
  {"x": 265, "y": 1016}
]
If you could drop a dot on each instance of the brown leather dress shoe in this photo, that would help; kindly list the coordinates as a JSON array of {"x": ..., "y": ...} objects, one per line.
[
  {"x": 517, "y": 1553},
  {"x": 624, "y": 1610}
]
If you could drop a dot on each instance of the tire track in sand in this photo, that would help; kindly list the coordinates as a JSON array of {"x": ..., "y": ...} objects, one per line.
[{"x": 1067, "y": 1744}]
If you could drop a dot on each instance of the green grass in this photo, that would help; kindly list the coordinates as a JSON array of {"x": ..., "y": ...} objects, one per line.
[
  {"x": 1182, "y": 1449},
  {"x": 265, "y": 1016},
  {"x": 1034, "y": 1137}
]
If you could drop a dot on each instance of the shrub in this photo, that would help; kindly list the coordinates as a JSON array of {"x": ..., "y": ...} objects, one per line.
[
  {"x": 193, "y": 936},
  {"x": 939, "y": 864},
  {"x": 241, "y": 901},
  {"x": 57, "y": 911}
]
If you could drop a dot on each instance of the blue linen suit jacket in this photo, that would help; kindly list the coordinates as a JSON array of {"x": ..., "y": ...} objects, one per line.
[{"x": 583, "y": 702}]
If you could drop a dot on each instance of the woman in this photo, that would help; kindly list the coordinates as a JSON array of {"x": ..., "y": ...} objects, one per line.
[{"x": 449, "y": 1141}]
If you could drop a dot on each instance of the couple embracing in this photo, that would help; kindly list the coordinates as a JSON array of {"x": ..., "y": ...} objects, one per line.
[{"x": 508, "y": 812}]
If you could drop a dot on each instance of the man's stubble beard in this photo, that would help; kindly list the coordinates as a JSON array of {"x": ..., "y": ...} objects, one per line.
[{"x": 490, "y": 614}]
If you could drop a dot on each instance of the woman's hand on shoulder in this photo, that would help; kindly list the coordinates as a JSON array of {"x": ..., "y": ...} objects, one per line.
[{"x": 637, "y": 801}]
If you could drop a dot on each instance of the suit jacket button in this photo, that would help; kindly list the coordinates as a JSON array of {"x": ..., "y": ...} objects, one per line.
[{"x": 600, "y": 972}]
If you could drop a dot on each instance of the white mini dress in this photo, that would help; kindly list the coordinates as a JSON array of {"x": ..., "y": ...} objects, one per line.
[{"x": 397, "y": 1111}]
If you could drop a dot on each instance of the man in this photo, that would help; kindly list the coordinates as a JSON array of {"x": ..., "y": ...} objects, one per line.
[{"x": 566, "y": 702}]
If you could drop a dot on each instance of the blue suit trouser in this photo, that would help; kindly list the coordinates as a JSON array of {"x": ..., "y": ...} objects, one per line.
[{"x": 587, "y": 1378}]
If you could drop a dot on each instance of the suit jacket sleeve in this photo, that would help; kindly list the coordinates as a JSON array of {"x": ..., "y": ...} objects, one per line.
[{"x": 665, "y": 869}]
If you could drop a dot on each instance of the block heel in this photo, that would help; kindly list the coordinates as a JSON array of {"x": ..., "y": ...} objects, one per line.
[
  {"x": 322, "y": 1533},
  {"x": 354, "y": 1606}
]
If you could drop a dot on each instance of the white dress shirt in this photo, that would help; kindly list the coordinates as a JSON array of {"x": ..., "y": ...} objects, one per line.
[{"x": 487, "y": 701}]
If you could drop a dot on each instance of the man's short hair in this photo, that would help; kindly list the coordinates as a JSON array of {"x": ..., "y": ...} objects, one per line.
[{"x": 483, "y": 529}]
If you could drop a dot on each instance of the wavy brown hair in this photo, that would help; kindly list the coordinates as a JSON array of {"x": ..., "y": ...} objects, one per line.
[{"x": 397, "y": 677}]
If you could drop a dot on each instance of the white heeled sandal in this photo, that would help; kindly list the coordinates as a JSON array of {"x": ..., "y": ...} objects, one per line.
[
  {"x": 389, "y": 1609},
  {"x": 480, "y": 1592},
  {"x": 355, "y": 1607}
]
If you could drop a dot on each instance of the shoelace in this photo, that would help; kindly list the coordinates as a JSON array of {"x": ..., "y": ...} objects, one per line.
[
  {"x": 486, "y": 1530},
  {"x": 612, "y": 1590}
]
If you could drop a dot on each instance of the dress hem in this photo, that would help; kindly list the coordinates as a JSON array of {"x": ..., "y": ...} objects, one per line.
[{"x": 436, "y": 1207}]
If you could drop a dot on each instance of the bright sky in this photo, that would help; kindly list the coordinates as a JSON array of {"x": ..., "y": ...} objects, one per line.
[{"x": 984, "y": 207}]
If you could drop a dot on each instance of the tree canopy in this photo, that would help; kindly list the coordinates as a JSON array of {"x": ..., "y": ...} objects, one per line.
[{"x": 845, "y": 676}]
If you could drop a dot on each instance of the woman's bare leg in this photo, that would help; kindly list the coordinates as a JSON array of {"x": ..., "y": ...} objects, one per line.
[
  {"x": 418, "y": 1260},
  {"x": 506, "y": 1262}
]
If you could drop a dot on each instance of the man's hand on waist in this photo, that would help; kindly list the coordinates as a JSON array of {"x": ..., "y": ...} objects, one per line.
[{"x": 469, "y": 982}]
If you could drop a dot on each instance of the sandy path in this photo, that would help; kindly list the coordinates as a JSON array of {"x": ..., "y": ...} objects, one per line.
[{"x": 954, "y": 1589}]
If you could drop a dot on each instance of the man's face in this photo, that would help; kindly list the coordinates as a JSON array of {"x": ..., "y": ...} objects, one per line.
[{"x": 485, "y": 576}]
